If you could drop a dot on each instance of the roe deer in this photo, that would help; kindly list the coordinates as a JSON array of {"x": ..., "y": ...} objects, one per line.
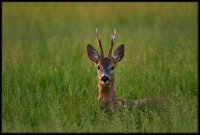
[{"x": 105, "y": 67}]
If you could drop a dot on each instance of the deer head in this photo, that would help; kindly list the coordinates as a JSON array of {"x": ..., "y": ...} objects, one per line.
[{"x": 105, "y": 65}]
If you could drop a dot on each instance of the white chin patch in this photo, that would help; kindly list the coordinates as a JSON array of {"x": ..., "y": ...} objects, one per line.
[{"x": 105, "y": 83}]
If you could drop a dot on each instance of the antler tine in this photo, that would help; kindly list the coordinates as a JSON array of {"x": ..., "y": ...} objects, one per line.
[
  {"x": 99, "y": 42},
  {"x": 112, "y": 43}
]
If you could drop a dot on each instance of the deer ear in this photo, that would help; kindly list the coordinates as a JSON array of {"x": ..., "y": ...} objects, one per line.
[
  {"x": 92, "y": 53},
  {"x": 119, "y": 53}
]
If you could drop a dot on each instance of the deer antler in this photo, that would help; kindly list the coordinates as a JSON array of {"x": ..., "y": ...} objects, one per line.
[
  {"x": 112, "y": 43},
  {"x": 99, "y": 42}
]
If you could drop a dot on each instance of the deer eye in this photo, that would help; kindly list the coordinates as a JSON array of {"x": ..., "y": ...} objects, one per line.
[
  {"x": 112, "y": 68},
  {"x": 98, "y": 67}
]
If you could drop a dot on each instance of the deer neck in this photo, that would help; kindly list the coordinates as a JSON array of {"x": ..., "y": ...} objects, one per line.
[{"x": 107, "y": 94}]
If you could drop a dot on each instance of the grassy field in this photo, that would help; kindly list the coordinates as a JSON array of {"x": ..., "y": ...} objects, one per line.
[{"x": 50, "y": 85}]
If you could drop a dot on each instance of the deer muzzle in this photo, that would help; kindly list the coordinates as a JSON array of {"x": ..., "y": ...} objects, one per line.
[{"x": 105, "y": 79}]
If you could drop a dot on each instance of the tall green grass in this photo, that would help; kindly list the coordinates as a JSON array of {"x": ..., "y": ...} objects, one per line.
[{"x": 49, "y": 84}]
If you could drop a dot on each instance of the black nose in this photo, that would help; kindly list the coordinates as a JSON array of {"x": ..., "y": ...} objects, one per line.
[{"x": 105, "y": 78}]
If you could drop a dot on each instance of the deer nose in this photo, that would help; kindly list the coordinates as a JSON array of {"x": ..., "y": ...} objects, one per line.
[{"x": 104, "y": 78}]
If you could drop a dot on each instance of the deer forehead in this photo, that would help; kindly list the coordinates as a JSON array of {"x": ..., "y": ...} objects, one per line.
[{"x": 106, "y": 62}]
